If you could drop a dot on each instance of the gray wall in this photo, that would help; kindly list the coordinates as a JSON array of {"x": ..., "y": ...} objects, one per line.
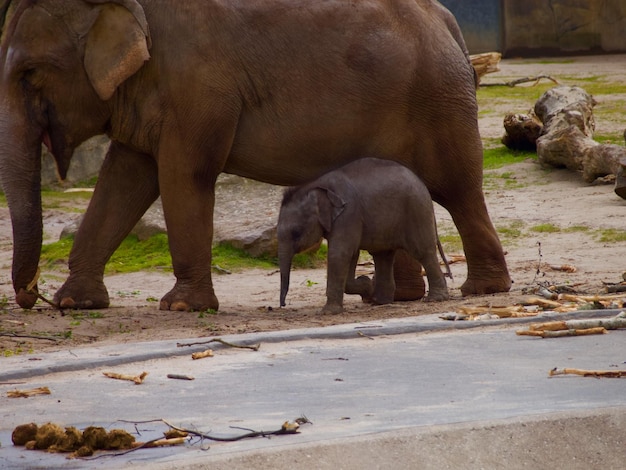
[{"x": 542, "y": 27}]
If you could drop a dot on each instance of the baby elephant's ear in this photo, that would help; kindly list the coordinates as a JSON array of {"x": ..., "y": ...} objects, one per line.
[{"x": 330, "y": 205}]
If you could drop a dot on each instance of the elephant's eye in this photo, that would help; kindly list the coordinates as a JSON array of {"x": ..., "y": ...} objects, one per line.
[{"x": 33, "y": 77}]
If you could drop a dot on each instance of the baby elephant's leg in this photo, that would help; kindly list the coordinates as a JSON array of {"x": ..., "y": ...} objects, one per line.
[
  {"x": 384, "y": 285},
  {"x": 437, "y": 288},
  {"x": 361, "y": 285}
]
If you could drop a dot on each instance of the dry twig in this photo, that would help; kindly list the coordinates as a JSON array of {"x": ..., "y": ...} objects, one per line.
[
  {"x": 28, "y": 393},
  {"x": 254, "y": 347},
  {"x": 589, "y": 373},
  {"x": 202, "y": 354},
  {"x": 519, "y": 81},
  {"x": 138, "y": 379}
]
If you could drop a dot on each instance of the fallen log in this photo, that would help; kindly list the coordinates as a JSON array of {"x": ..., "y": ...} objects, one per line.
[{"x": 563, "y": 116}]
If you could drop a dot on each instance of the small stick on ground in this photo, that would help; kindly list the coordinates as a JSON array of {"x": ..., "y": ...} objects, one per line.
[
  {"x": 254, "y": 347},
  {"x": 28, "y": 393},
  {"x": 180, "y": 377},
  {"x": 202, "y": 354},
  {"x": 30, "y": 288},
  {"x": 612, "y": 374},
  {"x": 561, "y": 333},
  {"x": 138, "y": 379}
]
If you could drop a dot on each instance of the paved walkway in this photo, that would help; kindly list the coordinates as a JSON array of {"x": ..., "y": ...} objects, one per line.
[{"x": 412, "y": 393}]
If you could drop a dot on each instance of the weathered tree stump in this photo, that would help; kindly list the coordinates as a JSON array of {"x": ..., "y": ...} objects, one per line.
[
  {"x": 487, "y": 62},
  {"x": 566, "y": 137},
  {"x": 522, "y": 131}
]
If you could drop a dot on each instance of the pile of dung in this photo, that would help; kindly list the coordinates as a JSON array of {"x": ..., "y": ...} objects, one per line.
[{"x": 53, "y": 438}]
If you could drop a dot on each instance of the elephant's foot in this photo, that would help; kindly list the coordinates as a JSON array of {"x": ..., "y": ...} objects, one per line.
[
  {"x": 474, "y": 286},
  {"x": 332, "y": 309},
  {"x": 187, "y": 299},
  {"x": 382, "y": 299},
  {"x": 362, "y": 286},
  {"x": 437, "y": 296},
  {"x": 82, "y": 293},
  {"x": 25, "y": 299}
]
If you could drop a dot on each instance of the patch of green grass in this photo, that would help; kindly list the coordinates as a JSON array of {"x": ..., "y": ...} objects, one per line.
[
  {"x": 511, "y": 231},
  {"x": 525, "y": 93},
  {"x": 451, "y": 242},
  {"x": 134, "y": 255},
  {"x": 611, "y": 235},
  {"x": 545, "y": 228},
  {"x": 614, "y": 139},
  {"x": 310, "y": 260},
  {"x": 577, "y": 228},
  {"x": 497, "y": 157},
  {"x": 233, "y": 259},
  {"x": 51, "y": 199}
]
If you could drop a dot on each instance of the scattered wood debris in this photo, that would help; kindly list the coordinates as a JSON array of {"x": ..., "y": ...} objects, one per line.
[
  {"x": 209, "y": 352},
  {"x": 202, "y": 354},
  {"x": 559, "y": 299},
  {"x": 254, "y": 347},
  {"x": 28, "y": 393},
  {"x": 487, "y": 62},
  {"x": 613, "y": 374},
  {"x": 592, "y": 326},
  {"x": 180, "y": 377},
  {"x": 138, "y": 379}
]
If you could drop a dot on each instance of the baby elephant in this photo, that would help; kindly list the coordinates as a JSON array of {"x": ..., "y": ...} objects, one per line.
[{"x": 369, "y": 204}]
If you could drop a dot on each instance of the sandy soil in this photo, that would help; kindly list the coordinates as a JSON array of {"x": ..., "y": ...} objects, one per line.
[{"x": 249, "y": 300}]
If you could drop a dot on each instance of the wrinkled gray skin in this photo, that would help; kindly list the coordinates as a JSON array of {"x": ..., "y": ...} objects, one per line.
[
  {"x": 370, "y": 204},
  {"x": 281, "y": 91}
]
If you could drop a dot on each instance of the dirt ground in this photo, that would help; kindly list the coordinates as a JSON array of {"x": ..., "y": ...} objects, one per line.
[{"x": 519, "y": 196}]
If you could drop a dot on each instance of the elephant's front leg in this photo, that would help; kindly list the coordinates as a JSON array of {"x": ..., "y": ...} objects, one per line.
[
  {"x": 187, "y": 175},
  {"x": 127, "y": 186},
  {"x": 339, "y": 262}
]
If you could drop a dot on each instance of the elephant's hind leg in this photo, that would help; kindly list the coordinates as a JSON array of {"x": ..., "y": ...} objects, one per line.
[
  {"x": 361, "y": 285},
  {"x": 407, "y": 273}
]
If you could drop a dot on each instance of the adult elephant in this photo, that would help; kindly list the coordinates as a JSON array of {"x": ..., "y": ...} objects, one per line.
[{"x": 276, "y": 90}]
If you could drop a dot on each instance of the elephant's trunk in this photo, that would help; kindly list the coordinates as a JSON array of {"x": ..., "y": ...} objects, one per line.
[
  {"x": 20, "y": 177},
  {"x": 284, "y": 261}
]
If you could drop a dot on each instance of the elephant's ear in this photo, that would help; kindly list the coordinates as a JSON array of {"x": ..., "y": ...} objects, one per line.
[
  {"x": 330, "y": 205},
  {"x": 117, "y": 45}
]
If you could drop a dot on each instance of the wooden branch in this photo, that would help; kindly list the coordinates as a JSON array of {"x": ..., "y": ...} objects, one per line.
[
  {"x": 288, "y": 427},
  {"x": 254, "y": 347},
  {"x": 137, "y": 379},
  {"x": 518, "y": 81},
  {"x": 18, "y": 335},
  {"x": 28, "y": 393},
  {"x": 485, "y": 63},
  {"x": 561, "y": 328},
  {"x": 589, "y": 373},
  {"x": 561, "y": 333}
]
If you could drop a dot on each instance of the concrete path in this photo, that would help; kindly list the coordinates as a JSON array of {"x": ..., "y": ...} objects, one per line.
[{"x": 409, "y": 393}]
